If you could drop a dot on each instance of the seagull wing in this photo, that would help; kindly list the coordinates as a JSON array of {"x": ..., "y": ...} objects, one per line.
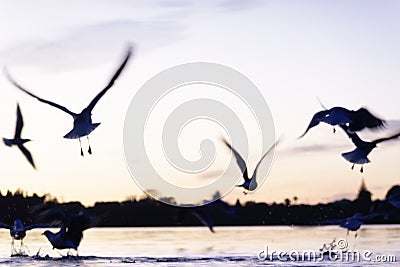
[
  {"x": 266, "y": 153},
  {"x": 111, "y": 82},
  {"x": 6, "y": 226},
  {"x": 27, "y": 155},
  {"x": 33, "y": 226},
  {"x": 19, "y": 124},
  {"x": 368, "y": 217},
  {"x": 386, "y": 138},
  {"x": 362, "y": 118},
  {"x": 203, "y": 217},
  {"x": 77, "y": 224},
  {"x": 316, "y": 119},
  {"x": 240, "y": 161},
  {"x": 38, "y": 98},
  {"x": 322, "y": 105}
]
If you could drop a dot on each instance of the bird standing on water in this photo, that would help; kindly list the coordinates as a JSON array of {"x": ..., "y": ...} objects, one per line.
[
  {"x": 18, "y": 141},
  {"x": 83, "y": 125}
]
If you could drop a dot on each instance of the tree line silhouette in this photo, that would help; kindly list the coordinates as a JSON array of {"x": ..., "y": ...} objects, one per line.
[{"x": 149, "y": 212}]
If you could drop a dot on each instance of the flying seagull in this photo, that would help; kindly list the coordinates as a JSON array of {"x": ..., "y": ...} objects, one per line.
[
  {"x": 83, "y": 125},
  {"x": 250, "y": 183},
  {"x": 363, "y": 148},
  {"x": 202, "y": 214},
  {"x": 18, "y": 141},
  {"x": 18, "y": 230},
  {"x": 354, "y": 222},
  {"x": 355, "y": 120}
]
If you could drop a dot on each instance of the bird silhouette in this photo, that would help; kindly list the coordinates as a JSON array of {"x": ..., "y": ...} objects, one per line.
[
  {"x": 18, "y": 141},
  {"x": 202, "y": 215},
  {"x": 354, "y": 222},
  {"x": 355, "y": 120},
  {"x": 18, "y": 231},
  {"x": 71, "y": 228},
  {"x": 83, "y": 124},
  {"x": 363, "y": 148},
  {"x": 250, "y": 183}
]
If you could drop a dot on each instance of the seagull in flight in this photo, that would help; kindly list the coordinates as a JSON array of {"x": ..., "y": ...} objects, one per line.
[
  {"x": 355, "y": 120},
  {"x": 363, "y": 148},
  {"x": 83, "y": 125},
  {"x": 354, "y": 222},
  {"x": 18, "y": 141},
  {"x": 203, "y": 216},
  {"x": 18, "y": 230},
  {"x": 250, "y": 183}
]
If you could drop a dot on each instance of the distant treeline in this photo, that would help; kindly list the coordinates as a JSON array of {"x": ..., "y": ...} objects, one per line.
[{"x": 149, "y": 212}]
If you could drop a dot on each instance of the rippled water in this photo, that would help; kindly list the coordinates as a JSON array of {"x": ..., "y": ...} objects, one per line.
[{"x": 196, "y": 246}]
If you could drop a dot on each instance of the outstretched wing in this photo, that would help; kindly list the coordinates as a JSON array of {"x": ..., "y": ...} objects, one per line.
[
  {"x": 38, "y": 98},
  {"x": 27, "y": 155},
  {"x": 6, "y": 226},
  {"x": 386, "y": 138},
  {"x": 316, "y": 119},
  {"x": 362, "y": 118},
  {"x": 266, "y": 153},
  {"x": 203, "y": 217},
  {"x": 34, "y": 226},
  {"x": 240, "y": 161},
  {"x": 112, "y": 81},
  {"x": 19, "y": 124}
]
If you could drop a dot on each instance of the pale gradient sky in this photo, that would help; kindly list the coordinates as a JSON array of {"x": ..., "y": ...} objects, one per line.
[{"x": 345, "y": 52}]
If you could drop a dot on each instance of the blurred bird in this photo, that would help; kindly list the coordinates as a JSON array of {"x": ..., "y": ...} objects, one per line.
[
  {"x": 18, "y": 141},
  {"x": 71, "y": 232},
  {"x": 201, "y": 213},
  {"x": 249, "y": 184},
  {"x": 18, "y": 230},
  {"x": 355, "y": 120},
  {"x": 354, "y": 222},
  {"x": 83, "y": 125},
  {"x": 363, "y": 148}
]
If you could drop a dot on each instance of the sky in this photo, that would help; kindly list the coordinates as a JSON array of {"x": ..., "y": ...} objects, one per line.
[{"x": 344, "y": 52}]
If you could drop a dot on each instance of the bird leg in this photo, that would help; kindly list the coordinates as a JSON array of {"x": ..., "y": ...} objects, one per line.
[
  {"x": 355, "y": 236},
  {"x": 334, "y": 130},
  {"x": 362, "y": 169},
  {"x": 352, "y": 167},
  {"x": 13, "y": 250},
  {"x": 90, "y": 149},
  {"x": 80, "y": 144}
]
